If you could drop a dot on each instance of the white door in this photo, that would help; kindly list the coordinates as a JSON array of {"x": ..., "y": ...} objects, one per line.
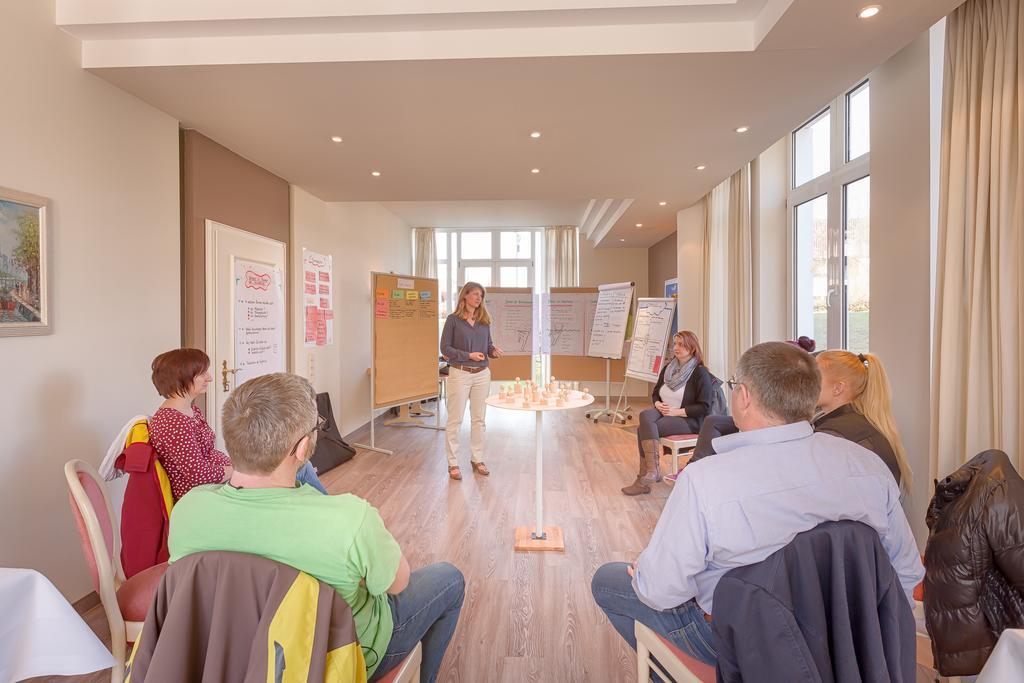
[{"x": 246, "y": 311}]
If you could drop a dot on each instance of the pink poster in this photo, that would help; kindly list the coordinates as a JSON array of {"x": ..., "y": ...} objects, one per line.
[
  {"x": 382, "y": 309},
  {"x": 310, "y": 324}
]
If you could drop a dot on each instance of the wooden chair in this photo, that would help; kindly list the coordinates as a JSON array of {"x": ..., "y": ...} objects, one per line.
[
  {"x": 125, "y": 602},
  {"x": 408, "y": 671},
  {"x": 679, "y": 445},
  {"x": 657, "y": 654}
]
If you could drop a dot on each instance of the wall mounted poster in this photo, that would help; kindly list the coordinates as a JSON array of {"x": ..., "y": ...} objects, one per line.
[
  {"x": 259, "y": 320},
  {"x": 318, "y": 298}
]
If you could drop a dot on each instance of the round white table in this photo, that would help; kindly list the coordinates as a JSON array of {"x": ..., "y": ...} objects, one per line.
[
  {"x": 540, "y": 537},
  {"x": 42, "y": 634}
]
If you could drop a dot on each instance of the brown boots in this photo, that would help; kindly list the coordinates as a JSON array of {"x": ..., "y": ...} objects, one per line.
[{"x": 650, "y": 468}]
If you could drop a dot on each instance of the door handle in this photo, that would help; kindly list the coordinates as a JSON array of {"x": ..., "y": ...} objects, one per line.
[{"x": 224, "y": 370}]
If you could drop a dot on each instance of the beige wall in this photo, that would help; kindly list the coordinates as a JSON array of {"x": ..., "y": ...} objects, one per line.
[
  {"x": 900, "y": 252},
  {"x": 690, "y": 266},
  {"x": 606, "y": 265},
  {"x": 662, "y": 264},
  {"x": 219, "y": 185},
  {"x": 362, "y": 237},
  {"x": 109, "y": 164}
]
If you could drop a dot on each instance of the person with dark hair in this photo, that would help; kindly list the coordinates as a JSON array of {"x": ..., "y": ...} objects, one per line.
[
  {"x": 773, "y": 479},
  {"x": 682, "y": 398},
  {"x": 178, "y": 429}
]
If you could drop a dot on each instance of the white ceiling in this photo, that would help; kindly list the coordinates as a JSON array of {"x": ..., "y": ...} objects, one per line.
[{"x": 629, "y": 95}]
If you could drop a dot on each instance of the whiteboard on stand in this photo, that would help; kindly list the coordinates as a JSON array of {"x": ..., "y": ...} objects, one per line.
[
  {"x": 651, "y": 335},
  {"x": 610, "y": 320}
]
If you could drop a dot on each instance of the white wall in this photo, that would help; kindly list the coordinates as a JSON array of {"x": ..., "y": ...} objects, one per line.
[
  {"x": 606, "y": 265},
  {"x": 901, "y": 254},
  {"x": 362, "y": 237},
  {"x": 109, "y": 164},
  {"x": 770, "y": 238}
]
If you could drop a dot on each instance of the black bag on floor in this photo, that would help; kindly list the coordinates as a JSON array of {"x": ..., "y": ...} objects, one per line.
[{"x": 331, "y": 449}]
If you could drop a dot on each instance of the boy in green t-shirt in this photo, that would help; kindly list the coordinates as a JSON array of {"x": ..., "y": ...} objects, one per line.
[{"x": 270, "y": 425}]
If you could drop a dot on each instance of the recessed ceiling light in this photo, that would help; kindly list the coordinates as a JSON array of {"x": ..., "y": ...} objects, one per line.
[
  {"x": 869, "y": 11},
  {"x": 662, "y": 203},
  {"x": 375, "y": 174},
  {"x": 534, "y": 170},
  {"x": 742, "y": 129},
  {"x": 622, "y": 239},
  {"x": 639, "y": 225},
  {"x": 336, "y": 139},
  {"x": 535, "y": 134},
  {"x": 701, "y": 167}
]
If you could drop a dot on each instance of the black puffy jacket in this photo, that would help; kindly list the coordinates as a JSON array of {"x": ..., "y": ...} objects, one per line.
[{"x": 974, "y": 562}]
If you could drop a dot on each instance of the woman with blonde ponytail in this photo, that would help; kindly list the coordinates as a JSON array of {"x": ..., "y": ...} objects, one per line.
[{"x": 856, "y": 404}]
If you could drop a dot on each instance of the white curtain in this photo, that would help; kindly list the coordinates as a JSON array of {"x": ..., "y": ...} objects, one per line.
[
  {"x": 979, "y": 326},
  {"x": 727, "y": 312},
  {"x": 560, "y": 256},
  {"x": 424, "y": 253}
]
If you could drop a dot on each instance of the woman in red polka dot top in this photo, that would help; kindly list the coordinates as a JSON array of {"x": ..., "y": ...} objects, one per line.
[{"x": 179, "y": 432}]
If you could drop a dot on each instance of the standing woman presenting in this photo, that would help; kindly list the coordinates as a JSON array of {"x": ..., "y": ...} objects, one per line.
[{"x": 466, "y": 344}]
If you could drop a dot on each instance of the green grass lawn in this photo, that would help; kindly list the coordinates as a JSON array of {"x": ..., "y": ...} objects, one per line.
[{"x": 856, "y": 332}]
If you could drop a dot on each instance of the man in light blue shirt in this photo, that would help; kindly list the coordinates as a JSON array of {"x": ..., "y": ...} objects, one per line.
[{"x": 769, "y": 482}]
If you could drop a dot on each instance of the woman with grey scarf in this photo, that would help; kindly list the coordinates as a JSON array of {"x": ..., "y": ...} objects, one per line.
[{"x": 682, "y": 398}]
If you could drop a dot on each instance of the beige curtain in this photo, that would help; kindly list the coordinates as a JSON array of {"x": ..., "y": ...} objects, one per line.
[
  {"x": 727, "y": 312},
  {"x": 561, "y": 268},
  {"x": 424, "y": 253},
  {"x": 979, "y": 329}
]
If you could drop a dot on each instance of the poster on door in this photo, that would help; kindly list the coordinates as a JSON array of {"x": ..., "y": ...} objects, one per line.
[
  {"x": 259, "y": 320},
  {"x": 317, "y": 298}
]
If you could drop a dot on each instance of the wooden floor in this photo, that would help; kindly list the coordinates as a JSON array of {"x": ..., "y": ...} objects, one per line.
[{"x": 527, "y": 616}]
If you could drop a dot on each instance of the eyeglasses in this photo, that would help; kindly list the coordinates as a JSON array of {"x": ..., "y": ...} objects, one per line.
[
  {"x": 733, "y": 383},
  {"x": 321, "y": 422}
]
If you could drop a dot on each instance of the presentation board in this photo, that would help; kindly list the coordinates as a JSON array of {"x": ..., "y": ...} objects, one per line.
[
  {"x": 608, "y": 331},
  {"x": 568, "y": 319},
  {"x": 651, "y": 334},
  {"x": 405, "y": 335},
  {"x": 512, "y": 330}
]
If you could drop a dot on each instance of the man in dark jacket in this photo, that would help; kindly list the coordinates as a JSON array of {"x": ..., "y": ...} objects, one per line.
[{"x": 974, "y": 585}]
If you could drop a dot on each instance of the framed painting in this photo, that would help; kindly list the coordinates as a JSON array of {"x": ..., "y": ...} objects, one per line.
[{"x": 24, "y": 272}]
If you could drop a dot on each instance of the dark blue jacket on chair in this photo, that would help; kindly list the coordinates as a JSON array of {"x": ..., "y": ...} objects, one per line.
[{"x": 827, "y": 607}]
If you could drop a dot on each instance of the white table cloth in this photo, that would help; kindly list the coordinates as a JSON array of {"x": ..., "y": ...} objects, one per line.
[
  {"x": 1006, "y": 663},
  {"x": 40, "y": 633}
]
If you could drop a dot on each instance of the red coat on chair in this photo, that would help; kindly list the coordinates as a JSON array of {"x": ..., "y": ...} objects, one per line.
[{"x": 145, "y": 514}]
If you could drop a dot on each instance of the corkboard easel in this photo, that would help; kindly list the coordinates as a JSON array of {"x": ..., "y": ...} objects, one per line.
[{"x": 584, "y": 368}]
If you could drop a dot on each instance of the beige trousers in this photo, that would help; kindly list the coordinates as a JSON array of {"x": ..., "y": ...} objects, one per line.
[{"x": 463, "y": 387}]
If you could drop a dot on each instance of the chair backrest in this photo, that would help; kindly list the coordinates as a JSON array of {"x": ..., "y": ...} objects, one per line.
[
  {"x": 252, "y": 608},
  {"x": 94, "y": 517}
]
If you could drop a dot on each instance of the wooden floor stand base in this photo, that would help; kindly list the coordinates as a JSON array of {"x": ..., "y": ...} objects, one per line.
[{"x": 554, "y": 541}]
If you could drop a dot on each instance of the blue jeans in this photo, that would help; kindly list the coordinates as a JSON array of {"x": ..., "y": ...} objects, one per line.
[
  {"x": 426, "y": 611},
  {"x": 683, "y": 625},
  {"x": 307, "y": 475}
]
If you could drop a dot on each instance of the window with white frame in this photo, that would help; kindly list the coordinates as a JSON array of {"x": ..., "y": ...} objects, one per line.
[
  {"x": 829, "y": 208},
  {"x": 505, "y": 257}
]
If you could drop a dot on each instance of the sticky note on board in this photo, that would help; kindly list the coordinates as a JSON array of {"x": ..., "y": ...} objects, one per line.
[
  {"x": 310, "y": 276},
  {"x": 397, "y": 294},
  {"x": 325, "y": 276},
  {"x": 406, "y": 283},
  {"x": 411, "y": 295},
  {"x": 325, "y": 289},
  {"x": 424, "y": 295},
  {"x": 310, "y": 288},
  {"x": 382, "y": 294},
  {"x": 382, "y": 308}
]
